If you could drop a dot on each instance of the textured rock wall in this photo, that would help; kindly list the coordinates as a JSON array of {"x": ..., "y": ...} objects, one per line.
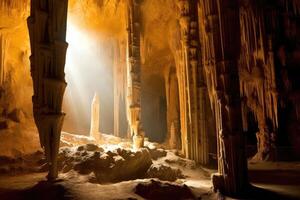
[
  {"x": 268, "y": 67},
  {"x": 16, "y": 123}
]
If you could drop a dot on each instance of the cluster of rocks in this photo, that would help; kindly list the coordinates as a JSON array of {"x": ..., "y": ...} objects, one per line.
[{"x": 115, "y": 165}]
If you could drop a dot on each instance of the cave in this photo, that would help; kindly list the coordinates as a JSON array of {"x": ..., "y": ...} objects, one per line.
[{"x": 149, "y": 99}]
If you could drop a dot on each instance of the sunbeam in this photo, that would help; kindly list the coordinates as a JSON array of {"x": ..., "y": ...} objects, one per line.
[{"x": 88, "y": 71}]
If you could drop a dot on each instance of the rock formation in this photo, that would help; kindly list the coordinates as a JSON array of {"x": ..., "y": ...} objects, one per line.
[
  {"x": 192, "y": 86},
  {"x": 3, "y": 51},
  {"x": 134, "y": 76},
  {"x": 47, "y": 27},
  {"x": 173, "y": 110},
  {"x": 220, "y": 46},
  {"x": 120, "y": 83},
  {"x": 201, "y": 69},
  {"x": 95, "y": 118},
  {"x": 257, "y": 76}
]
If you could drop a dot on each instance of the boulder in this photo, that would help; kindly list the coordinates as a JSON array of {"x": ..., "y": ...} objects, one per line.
[
  {"x": 164, "y": 173},
  {"x": 158, "y": 190}
]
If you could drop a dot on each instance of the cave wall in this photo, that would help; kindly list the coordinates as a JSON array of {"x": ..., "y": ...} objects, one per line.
[
  {"x": 16, "y": 120},
  {"x": 15, "y": 74},
  {"x": 266, "y": 80}
]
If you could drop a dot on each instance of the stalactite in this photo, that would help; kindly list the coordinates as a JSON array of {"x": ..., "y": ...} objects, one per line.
[
  {"x": 257, "y": 77},
  {"x": 292, "y": 6},
  {"x": 134, "y": 73},
  {"x": 47, "y": 28},
  {"x": 219, "y": 34}
]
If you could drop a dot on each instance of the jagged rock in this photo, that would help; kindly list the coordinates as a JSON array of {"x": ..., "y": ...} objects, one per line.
[
  {"x": 164, "y": 173},
  {"x": 158, "y": 190},
  {"x": 111, "y": 166},
  {"x": 80, "y": 148},
  {"x": 157, "y": 153},
  {"x": 90, "y": 147},
  {"x": 182, "y": 162}
]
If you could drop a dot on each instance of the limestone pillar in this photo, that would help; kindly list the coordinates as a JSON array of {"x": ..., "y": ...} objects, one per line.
[
  {"x": 193, "y": 88},
  {"x": 134, "y": 73},
  {"x": 47, "y": 28},
  {"x": 173, "y": 111},
  {"x": 95, "y": 118},
  {"x": 119, "y": 72},
  {"x": 220, "y": 41},
  {"x": 3, "y": 52}
]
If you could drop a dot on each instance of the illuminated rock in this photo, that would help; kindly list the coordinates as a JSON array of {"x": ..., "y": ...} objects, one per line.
[
  {"x": 134, "y": 72},
  {"x": 3, "y": 52},
  {"x": 193, "y": 95},
  {"x": 95, "y": 118},
  {"x": 47, "y": 30}
]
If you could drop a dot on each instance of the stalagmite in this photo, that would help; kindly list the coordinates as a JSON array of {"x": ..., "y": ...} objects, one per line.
[
  {"x": 173, "y": 110},
  {"x": 119, "y": 83},
  {"x": 134, "y": 74},
  {"x": 173, "y": 138},
  {"x": 95, "y": 118},
  {"x": 3, "y": 51},
  {"x": 219, "y": 34},
  {"x": 47, "y": 28}
]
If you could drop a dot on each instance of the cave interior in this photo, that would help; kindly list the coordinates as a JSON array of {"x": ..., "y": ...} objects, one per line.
[{"x": 149, "y": 99}]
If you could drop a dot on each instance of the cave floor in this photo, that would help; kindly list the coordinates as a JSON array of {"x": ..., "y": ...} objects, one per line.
[
  {"x": 34, "y": 186},
  {"x": 276, "y": 180}
]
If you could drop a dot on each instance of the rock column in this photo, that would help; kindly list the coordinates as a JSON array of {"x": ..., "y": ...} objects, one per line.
[
  {"x": 3, "y": 51},
  {"x": 173, "y": 111},
  {"x": 47, "y": 28},
  {"x": 220, "y": 38},
  {"x": 134, "y": 73},
  {"x": 192, "y": 86},
  {"x": 95, "y": 118}
]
